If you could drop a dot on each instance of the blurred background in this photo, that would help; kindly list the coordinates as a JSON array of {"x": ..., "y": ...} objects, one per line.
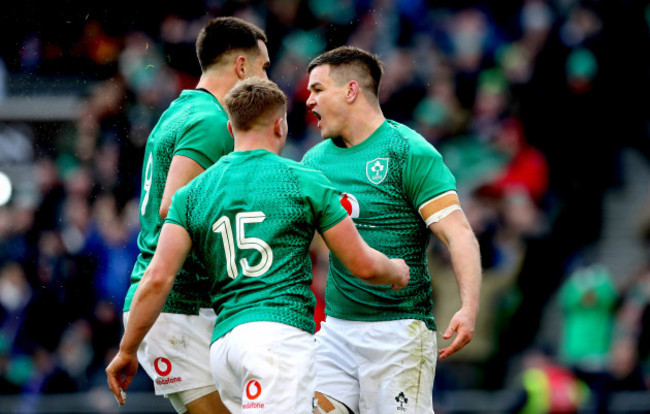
[{"x": 539, "y": 108}]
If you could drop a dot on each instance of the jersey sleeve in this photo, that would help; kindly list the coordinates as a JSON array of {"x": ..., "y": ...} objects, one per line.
[
  {"x": 205, "y": 140},
  {"x": 324, "y": 200},
  {"x": 178, "y": 209},
  {"x": 428, "y": 182}
]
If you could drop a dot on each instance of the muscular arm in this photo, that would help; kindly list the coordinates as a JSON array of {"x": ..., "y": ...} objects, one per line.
[
  {"x": 364, "y": 262},
  {"x": 455, "y": 232},
  {"x": 173, "y": 247},
  {"x": 181, "y": 171}
]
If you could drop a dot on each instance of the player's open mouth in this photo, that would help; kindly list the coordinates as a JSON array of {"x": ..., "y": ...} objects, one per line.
[{"x": 317, "y": 115}]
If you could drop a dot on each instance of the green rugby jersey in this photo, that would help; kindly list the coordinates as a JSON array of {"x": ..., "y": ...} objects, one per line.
[
  {"x": 195, "y": 126},
  {"x": 252, "y": 217},
  {"x": 385, "y": 180}
]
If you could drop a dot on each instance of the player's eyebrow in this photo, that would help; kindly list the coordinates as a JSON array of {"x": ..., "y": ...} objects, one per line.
[{"x": 314, "y": 84}]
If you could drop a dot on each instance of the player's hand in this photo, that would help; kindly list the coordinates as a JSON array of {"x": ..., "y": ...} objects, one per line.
[
  {"x": 120, "y": 373},
  {"x": 402, "y": 274},
  {"x": 463, "y": 325}
]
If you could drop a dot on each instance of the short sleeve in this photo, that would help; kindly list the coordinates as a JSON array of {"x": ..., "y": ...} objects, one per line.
[
  {"x": 205, "y": 140},
  {"x": 177, "y": 213},
  {"x": 324, "y": 200},
  {"x": 428, "y": 183}
]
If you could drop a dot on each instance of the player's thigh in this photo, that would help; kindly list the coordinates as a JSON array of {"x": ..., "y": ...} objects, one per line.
[
  {"x": 336, "y": 362},
  {"x": 227, "y": 380},
  {"x": 207, "y": 404},
  {"x": 203, "y": 400},
  {"x": 398, "y": 370},
  {"x": 272, "y": 366},
  {"x": 175, "y": 352}
]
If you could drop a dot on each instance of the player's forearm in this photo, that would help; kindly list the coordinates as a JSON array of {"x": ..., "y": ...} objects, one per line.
[
  {"x": 466, "y": 261},
  {"x": 374, "y": 268},
  {"x": 147, "y": 304},
  {"x": 379, "y": 269}
]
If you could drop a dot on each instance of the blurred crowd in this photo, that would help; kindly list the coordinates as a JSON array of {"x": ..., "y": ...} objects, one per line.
[{"x": 529, "y": 102}]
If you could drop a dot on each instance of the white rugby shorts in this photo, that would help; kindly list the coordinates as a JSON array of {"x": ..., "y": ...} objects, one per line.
[
  {"x": 175, "y": 353},
  {"x": 377, "y": 367},
  {"x": 265, "y": 367}
]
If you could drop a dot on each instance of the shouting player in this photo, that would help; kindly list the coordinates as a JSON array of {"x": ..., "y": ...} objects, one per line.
[{"x": 377, "y": 348}]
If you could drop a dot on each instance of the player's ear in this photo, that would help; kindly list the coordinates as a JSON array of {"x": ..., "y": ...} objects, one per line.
[
  {"x": 351, "y": 91},
  {"x": 230, "y": 128},
  {"x": 240, "y": 67},
  {"x": 278, "y": 127}
]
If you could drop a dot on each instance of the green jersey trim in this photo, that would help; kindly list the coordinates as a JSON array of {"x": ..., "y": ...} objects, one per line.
[{"x": 196, "y": 156}]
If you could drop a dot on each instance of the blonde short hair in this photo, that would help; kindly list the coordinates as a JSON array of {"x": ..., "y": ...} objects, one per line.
[{"x": 254, "y": 102}]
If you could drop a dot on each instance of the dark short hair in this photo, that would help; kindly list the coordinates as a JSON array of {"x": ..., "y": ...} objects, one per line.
[
  {"x": 253, "y": 101},
  {"x": 357, "y": 64},
  {"x": 225, "y": 34}
]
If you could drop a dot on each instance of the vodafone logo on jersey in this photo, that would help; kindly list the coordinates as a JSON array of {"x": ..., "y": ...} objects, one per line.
[
  {"x": 163, "y": 367},
  {"x": 253, "y": 391},
  {"x": 350, "y": 204}
]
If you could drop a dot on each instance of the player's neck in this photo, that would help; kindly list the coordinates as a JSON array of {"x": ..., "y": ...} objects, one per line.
[
  {"x": 252, "y": 140},
  {"x": 360, "y": 125},
  {"x": 217, "y": 83}
]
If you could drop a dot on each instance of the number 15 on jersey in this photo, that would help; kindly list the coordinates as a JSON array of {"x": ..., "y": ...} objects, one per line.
[{"x": 224, "y": 226}]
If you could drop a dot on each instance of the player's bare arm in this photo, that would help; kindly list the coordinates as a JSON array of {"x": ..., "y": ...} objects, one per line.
[
  {"x": 364, "y": 262},
  {"x": 173, "y": 247},
  {"x": 181, "y": 171},
  {"x": 455, "y": 232}
]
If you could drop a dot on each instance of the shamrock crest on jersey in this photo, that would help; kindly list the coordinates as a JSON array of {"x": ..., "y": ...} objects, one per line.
[{"x": 377, "y": 170}]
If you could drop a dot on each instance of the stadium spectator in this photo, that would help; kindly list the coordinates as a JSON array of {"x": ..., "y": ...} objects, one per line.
[
  {"x": 550, "y": 388},
  {"x": 588, "y": 301}
]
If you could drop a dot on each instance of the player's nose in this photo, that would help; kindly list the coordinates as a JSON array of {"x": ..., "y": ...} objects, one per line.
[{"x": 311, "y": 102}]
